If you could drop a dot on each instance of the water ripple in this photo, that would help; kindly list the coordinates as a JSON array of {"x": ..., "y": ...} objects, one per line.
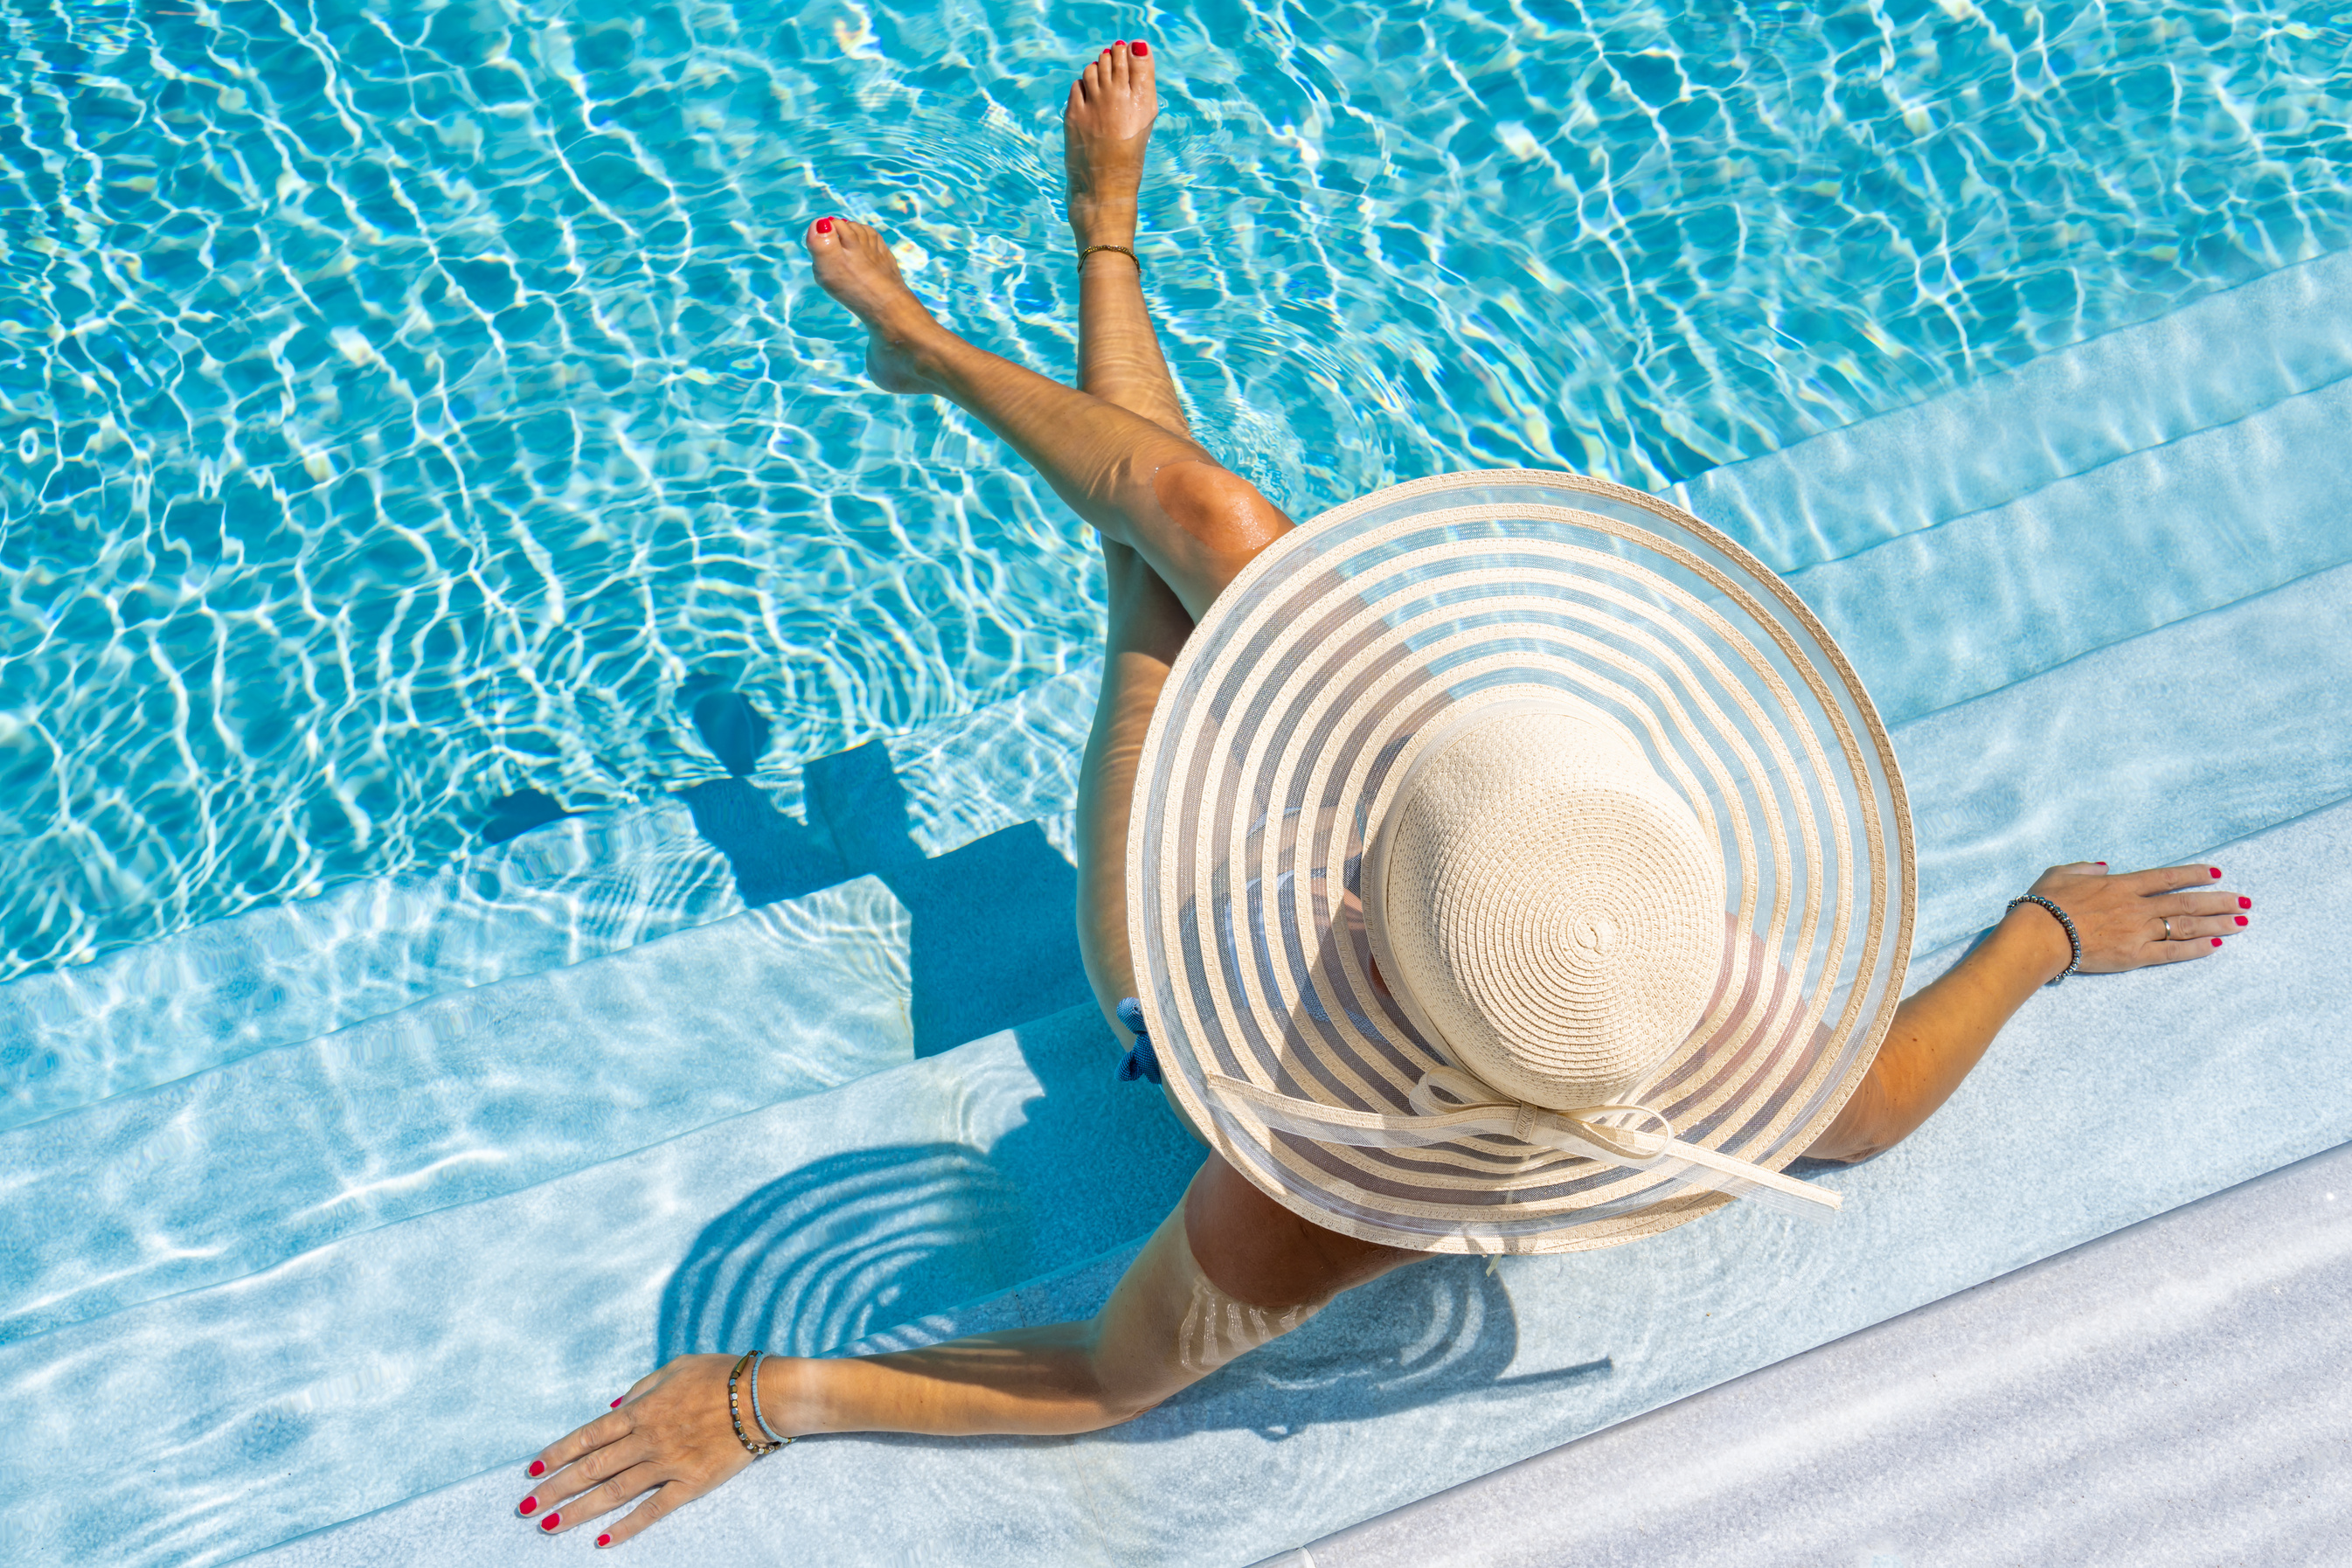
[{"x": 397, "y": 406}]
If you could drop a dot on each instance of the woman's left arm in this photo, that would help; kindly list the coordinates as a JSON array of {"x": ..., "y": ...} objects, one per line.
[
  {"x": 672, "y": 1437},
  {"x": 1169, "y": 1323},
  {"x": 1941, "y": 1032}
]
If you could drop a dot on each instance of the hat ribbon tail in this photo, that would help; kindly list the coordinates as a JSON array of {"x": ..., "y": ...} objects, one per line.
[{"x": 1449, "y": 1103}]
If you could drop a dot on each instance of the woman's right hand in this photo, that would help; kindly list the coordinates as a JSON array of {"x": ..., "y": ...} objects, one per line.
[{"x": 2121, "y": 917}]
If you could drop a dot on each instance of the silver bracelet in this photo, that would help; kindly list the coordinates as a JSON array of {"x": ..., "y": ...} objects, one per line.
[
  {"x": 758, "y": 1414},
  {"x": 2073, "y": 940}
]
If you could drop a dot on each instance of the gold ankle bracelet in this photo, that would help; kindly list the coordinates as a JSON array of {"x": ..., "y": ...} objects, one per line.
[{"x": 1123, "y": 250}]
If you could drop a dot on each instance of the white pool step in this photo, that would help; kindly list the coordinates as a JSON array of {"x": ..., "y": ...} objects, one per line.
[
  {"x": 2143, "y": 753},
  {"x": 571, "y": 890},
  {"x": 576, "y": 889},
  {"x": 390, "y": 1113},
  {"x": 475, "y": 1331},
  {"x": 2210, "y": 363},
  {"x": 2167, "y": 1397},
  {"x": 514, "y": 1074},
  {"x": 2072, "y": 1128},
  {"x": 1980, "y": 602},
  {"x": 459, "y": 1098}
]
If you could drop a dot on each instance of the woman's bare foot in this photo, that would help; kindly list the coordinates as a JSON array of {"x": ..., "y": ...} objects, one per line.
[
  {"x": 1105, "y": 126},
  {"x": 854, "y": 266}
]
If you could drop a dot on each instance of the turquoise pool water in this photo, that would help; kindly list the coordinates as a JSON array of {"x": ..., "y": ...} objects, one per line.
[{"x": 399, "y": 404}]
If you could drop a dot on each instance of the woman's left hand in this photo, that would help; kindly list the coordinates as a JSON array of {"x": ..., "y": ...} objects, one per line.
[
  {"x": 2122, "y": 919},
  {"x": 669, "y": 1436}
]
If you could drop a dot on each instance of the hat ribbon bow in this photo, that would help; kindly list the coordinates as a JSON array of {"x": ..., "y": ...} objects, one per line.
[{"x": 1448, "y": 1103}]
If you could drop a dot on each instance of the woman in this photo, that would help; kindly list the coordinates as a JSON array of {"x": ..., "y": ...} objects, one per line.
[{"x": 1267, "y": 1234}]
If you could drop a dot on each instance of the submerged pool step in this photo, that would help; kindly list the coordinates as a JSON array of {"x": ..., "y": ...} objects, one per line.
[
  {"x": 571, "y": 890},
  {"x": 479, "y": 1331},
  {"x": 2213, "y": 362},
  {"x": 499, "y": 1085},
  {"x": 2142, "y": 754},
  {"x": 576, "y": 889},
  {"x": 1449, "y": 1370},
  {"x": 1980, "y": 602},
  {"x": 456, "y": 1099}
]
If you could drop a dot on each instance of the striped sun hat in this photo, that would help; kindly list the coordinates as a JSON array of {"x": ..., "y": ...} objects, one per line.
[{"x": 1520, "y": 867}]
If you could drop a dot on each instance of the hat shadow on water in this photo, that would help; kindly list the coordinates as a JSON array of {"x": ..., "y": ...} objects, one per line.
[
  {"x": 854, "y": 1243},
  {"x": 1431, "y": 1332}
]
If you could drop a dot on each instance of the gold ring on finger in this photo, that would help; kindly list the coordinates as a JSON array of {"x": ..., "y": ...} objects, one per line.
[{"x": 2168, "y": 928}]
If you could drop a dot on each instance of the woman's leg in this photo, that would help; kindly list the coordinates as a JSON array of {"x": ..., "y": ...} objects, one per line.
[
  {"x": 1106, "y": 129},
  {"x": 1147, "y": 628},
  {"x": 1119, "y": 451},
  {"x": 1140, "y": 483}
]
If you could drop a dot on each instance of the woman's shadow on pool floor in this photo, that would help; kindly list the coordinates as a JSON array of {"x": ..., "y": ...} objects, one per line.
[{"x": 858, "y": 1243}]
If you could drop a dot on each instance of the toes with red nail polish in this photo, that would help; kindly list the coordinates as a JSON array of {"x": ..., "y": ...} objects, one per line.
[
  {"x": 551, "y": 1522},
  {"x": 824, "y": 225},
  {"x": 528, "y": 1507},
  {"x": 1142, "y": 48}
]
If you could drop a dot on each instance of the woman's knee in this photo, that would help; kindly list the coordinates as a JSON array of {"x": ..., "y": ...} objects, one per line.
[{"x": 1219, "y": 508}]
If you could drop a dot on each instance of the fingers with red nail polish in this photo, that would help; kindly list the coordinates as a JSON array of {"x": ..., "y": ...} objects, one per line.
[
  {"x": 538, "y": 1469},
  {"x": 2246, "y": 903},
  {"x": 528, "y": 1507},
  {"x": 2242, "y": 920},
  {"x": 551, "y": 1522},
  {"x": 2216, "y": 870},
  {"x": 616, "y": 1404},
  {"x": 2217, "y": 941},
  {"x": 604, "y": 1540}
]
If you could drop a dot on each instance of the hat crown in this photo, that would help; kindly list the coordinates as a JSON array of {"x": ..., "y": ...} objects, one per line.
[{"x": 1552, "y": 906}]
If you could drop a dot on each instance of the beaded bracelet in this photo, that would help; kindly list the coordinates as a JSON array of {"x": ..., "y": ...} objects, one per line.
[
  {"x": 735, "y": 1414},
  {"x": 2073, "y": 939}
]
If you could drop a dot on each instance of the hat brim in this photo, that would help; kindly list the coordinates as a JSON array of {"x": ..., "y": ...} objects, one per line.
[{"x": 1297, "y": 707}]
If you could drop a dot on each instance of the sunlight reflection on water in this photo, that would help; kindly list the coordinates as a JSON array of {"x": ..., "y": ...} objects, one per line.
[{"x": 399, "y": 408}]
